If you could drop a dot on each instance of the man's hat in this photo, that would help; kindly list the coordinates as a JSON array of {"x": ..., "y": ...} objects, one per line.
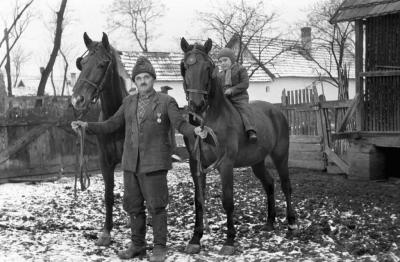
[{"x": 143, "y": 65}]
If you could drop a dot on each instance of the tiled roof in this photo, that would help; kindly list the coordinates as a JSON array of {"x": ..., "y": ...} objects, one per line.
[
  {"x": 293, "y": 62},
  {"x": 352, "y": 10},
  {"x": 166, "y": 65}
]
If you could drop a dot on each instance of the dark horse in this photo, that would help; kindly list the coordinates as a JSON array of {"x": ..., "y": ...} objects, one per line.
[
  {"x": 103, "y": 77},
  {"x": 206, "y": 98}
]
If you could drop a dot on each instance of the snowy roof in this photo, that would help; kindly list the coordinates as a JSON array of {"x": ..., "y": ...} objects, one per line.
[
  {"x": 293, "y": 62},
  {"x": 166, "y": 64},
  {"x": 31, "y": 85},
  {"x": 351, "y": 10}
]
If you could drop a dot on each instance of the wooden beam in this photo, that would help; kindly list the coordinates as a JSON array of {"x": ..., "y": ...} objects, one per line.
[
  {"x": 349, "y": 113},
  {"x": 359, "y": 51},
  {"x": 92, "y": 166},
  {"x": 22, "y": 142},
  {"x": 380, "y": 73},
  {"x": 336, "y": 104},
  {"x": 337, "y": 160},
  {"x": 305, "y": 139}
]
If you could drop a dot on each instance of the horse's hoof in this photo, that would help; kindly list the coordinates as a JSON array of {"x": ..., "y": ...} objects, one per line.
[
  {"x": 269, "y": 227},
  {"x": 227, "y": 251},
  {"x": 293, "y": 227},
  {"x": 104, "y": 240},
  {"x": 192, "y": 249}
]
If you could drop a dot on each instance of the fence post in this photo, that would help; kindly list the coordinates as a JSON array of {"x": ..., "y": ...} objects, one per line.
[
  {"x": 283, "y": 98},
  {"x": 3, "y": 101},
  {"x": 3, "y": 95}
]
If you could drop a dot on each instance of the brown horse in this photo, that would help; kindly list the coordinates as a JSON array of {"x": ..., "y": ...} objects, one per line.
[
  {"x": 103, "y": 77},
  {"x": 206, "y": 98}
]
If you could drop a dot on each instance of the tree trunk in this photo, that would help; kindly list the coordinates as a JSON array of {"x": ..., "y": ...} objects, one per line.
[
  {"x": 65, "y": 72},
  {"x": 8, "y": 63},
  {"x": 53, "y": 55},
  {"x": 52, "y": 83}
]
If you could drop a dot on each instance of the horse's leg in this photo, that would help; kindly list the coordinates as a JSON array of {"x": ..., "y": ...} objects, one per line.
[
  {"x": 226, "y": 172},
  {"x": 261, "y": 172},
  {"x": 108, "y": 178},
  {"x": 281, "y": 164},
  {"x": 194, "y": 244}
]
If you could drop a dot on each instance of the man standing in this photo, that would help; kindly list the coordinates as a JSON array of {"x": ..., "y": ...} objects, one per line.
[{"x": 148, "y": 117}]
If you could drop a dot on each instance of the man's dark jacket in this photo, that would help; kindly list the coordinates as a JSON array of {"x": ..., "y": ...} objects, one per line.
[{"x": 148, "y": 139}]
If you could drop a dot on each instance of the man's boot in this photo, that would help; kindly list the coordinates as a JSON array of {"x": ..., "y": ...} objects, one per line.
[
  {"x": 160, "y": 235},
  {"x": 133, "y": 251},
  {"x": 138, "y": 244},
  {"x": 159, "y": 254},
  {"x": 251, "y": 134}
]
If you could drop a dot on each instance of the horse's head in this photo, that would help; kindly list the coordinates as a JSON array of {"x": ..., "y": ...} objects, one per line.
[
  {"x": 95, "y": 67},
  {"x": 198, "y": 71}
]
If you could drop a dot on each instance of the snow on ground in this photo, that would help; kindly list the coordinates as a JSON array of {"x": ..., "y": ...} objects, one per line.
[{"x": 339, "y": 220}]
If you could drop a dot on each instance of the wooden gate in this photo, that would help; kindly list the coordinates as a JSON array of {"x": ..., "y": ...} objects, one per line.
[
  {"x": 38, "y": 143},
  {"x": 313, "y": 123}
]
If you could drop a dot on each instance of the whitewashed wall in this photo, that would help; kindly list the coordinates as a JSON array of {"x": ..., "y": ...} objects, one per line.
[{"x": 257, "y": 90}]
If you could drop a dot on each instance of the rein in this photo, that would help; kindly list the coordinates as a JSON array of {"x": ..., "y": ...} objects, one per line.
[
  {"x": 199, "y": 168},
  {"x": 190, "y": 59},
  {"x": 84, "y": 178}
]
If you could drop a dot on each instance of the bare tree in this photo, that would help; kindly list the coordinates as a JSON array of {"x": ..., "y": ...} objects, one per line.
[
  {"x": 137, "y": 17},
  {"x": 66, "y": 65},
  {"x": 246, "y": 24},
  {"x": 56, "y": 47},
  {"x": 20, "y": 20},
  {"x": 18, "y": 58},
  {"x": 337, "y": 40}
]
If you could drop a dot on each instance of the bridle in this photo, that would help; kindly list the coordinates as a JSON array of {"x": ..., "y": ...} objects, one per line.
[
  {"x": 190, "y": 59},
  {"x": 98, "y": 86}
]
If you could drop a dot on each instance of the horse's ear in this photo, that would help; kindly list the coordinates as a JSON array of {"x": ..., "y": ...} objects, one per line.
[
  {"x": 105, "y": 42},
  {"x": 183, "y": 69},
  {"x": 208, "y": 45},
  {"x": 184, "y": 44},
  {"x": 87, "y": 40}
]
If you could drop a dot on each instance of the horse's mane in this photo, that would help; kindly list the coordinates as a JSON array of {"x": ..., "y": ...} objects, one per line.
[{"x": 123, "y": 75}]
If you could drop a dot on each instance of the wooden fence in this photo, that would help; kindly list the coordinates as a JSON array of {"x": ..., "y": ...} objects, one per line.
[
  {"x": 313, "y": 122},
  {"x": 39, "y": 143}
]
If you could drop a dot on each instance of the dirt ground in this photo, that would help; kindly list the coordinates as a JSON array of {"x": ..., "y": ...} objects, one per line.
[{"x": 338, "y": 219}]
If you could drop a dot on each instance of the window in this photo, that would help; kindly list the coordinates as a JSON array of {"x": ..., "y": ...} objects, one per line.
[{"x": 267, "y": 89}]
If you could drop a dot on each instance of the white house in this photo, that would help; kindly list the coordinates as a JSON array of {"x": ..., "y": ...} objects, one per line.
[{"x": 290, "y": 71}]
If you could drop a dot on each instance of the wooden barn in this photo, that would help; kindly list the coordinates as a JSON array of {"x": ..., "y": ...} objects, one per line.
[{"x": 375, "y": 144}]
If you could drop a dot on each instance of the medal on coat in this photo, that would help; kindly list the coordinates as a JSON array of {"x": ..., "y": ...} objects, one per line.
[{"x": 159, "y": 118}]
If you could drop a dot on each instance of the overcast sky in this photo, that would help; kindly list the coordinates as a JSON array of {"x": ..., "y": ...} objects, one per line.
[{"x": 90, "y": 16}]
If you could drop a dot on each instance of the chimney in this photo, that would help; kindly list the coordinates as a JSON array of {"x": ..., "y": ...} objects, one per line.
[{"x": 306, "y": 39}]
